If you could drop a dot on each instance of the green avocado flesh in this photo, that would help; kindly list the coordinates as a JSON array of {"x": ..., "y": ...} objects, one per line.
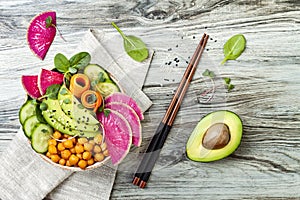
[
  {"x": 58, "y": 119},
  {"x": 216, "y": 136},
  {"x": 73, "y": 108}
]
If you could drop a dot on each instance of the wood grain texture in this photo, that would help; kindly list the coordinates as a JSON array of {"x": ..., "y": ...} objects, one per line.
[{"x": 266, "y": 76}]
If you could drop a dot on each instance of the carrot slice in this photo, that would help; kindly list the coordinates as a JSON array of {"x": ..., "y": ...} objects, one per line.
[
  {"x": 91, "y": 99},
  {"x": 79, "y": 83}
]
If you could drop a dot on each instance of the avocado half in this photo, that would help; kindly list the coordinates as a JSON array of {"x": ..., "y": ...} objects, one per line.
[{"x": 216, "y": 136}]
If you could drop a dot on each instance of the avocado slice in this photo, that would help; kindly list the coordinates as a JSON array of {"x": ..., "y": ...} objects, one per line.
[
  {"x": 216, "y": 136},
  {"x": 63, "y": 129},
  {"x": 55, "y": 111},
  {"x": 73, "y": 108}
]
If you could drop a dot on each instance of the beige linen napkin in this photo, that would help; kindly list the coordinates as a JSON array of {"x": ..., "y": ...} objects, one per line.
[{"x": 24, "y": 175}]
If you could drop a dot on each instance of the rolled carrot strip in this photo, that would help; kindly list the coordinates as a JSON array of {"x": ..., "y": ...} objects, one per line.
[
  {"x": 78, "y": 84},
  {"x": 91, "y": 99}
]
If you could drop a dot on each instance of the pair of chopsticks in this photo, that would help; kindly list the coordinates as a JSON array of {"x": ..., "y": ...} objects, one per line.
[{"x": 152, "y": 153}]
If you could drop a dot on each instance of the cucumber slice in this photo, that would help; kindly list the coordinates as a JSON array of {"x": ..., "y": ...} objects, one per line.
[
  {"x": 26, "y": 111},
  {"x": 29, "y": 125},
  {"x": 40, "y": 136},
  {"x": 93, "y": 71},
  {"x": 106, "y": 89}
]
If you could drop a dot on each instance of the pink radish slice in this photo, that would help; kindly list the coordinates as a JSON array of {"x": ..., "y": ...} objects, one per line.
[
  {"x": 47, "y": 78},
  {"x": 39, "y": 37},
  {"x": 118, "y": 135},
  {"x": 30, "y": 84},
  {"x": 130, "y": 115},
  {"x": 123, "y": 98}
]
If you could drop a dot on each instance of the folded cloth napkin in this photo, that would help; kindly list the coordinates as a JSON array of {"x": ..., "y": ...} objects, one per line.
[{"x": 24, "y": 175}]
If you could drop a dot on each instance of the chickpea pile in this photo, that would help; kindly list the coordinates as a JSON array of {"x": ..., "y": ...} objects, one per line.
[{"x": 76, "y": 152}]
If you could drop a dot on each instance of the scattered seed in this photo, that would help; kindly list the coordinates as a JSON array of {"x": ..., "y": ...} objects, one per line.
[
  {"x": 170, "y": 49},
  {"x": 194, "y": 37},
  {"x": 177, "y": 45},
  {"x": 166, "y": 79}
]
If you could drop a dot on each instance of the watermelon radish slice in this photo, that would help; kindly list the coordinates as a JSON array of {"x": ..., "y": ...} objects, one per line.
[
  {"x": 47, "y": 78},
  {"x": 123, "y": 98},
  {"x": 30, "y": 84},
  {"x": 130, "y": 115},
  {"x": 117, "y": 135},
  {"x": 39, "y": 37}
]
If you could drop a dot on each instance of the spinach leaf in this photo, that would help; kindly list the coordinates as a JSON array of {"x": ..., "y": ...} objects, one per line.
[
  {"x": 61, "y": 63},
  {"x": 52, "y": 91},
  {"x": 234, "y": 47},
  {"x": 133, "y": 46},
  {"x": 80, "y": 60}
]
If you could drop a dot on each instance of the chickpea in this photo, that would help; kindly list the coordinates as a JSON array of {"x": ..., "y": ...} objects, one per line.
[
  {"x": 48, "y": 154},
  {"x": 73, "y": 150},
  {"x": 103, "y": 146},
  {"x": 79, "y": 155},
  {"x": 60, "y": 147},
  {"x": 98, "y": 139},
  {"x": 62, "y": 161},
  {"x": 106, "y": 153},
  {"x": 79, "y": 148},
  {"x": 82, "y": 140},
  {"x": 82, "y": 164},
  {"x": 68, "y": 144},
  {"x": 68, "y": 163},
  {"x": 88, "y": 146},
  {"x": 90, "y": 161},
  {"x": 98, "y": 157},
  {"x": 86, "y": 155},
  {"x": 73, "y": 159},
  {"x": 52, "y": 149},
  {"x": 52, "y": 142},
  {"x": 66, "y": 136},
  {"x": 57, "y": 135},
  {"x": 55, "y": 158},
  {"x": 65, "y": 154},
  {"x": 73, "y": 140},
  {"x": 97, "y": 149},
  {"x": 92, "y": 142}
]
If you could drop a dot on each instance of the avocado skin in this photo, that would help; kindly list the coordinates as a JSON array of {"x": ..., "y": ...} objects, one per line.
[
  {"x": 55, "y": 112},
  {"x": 197, "y": 152}
]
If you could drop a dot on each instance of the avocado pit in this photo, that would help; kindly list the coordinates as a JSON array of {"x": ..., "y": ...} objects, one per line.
[{"x": 217, "y": 136}]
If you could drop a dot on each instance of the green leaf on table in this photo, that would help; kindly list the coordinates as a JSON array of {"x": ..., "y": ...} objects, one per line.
[
  {"x": 80, "y": 60},
  {"x": 61, "y": 63},
  {"x": 208, "y": 73},
  {"x": 234, "y": 47},
  {"x": 230, "y": 87},
  {"x": 227, "y": 80},
  {"x": 133, "y": 46}
]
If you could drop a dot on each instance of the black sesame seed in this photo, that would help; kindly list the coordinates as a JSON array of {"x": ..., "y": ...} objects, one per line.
[
  {"x": 205, "y": 27},
  {"x": 177, "y": 45},
  {"x": 177, "y": 61},
  {"x": 187, "y": 62},
  {"x": 207, "y": 49},
  {"x": 169, "y": 63},
  {"x": 83, "y": 117},
  {"x": 176, "y": 65},
  {"x": 84, "y": 127},
  {"x": 51, "y": 117},
  {"x": 170, "y": 49},
  {"x": 211, "y": 38},
  {"x": 53, "y": 110},
  {"x": 182, "y": 37},
  {"x": 52, "y": 121},
  {"x": 189, "y": 57},
  {"x": 70, "y": 129},
  {"x": 64, "y": 128},
  {"x": 166, "y": 79},
  {"x": 87, "y": 119},
  {"x": 215, "y": 40},
  {"x": 81, "y": 133},
  {"x": 166, "y": 63},
  {"x": 95, "y": 129},
  {"x": 194, "y": 37}
]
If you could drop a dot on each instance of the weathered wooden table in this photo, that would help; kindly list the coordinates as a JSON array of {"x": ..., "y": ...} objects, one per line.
[{"x": 266, "y": 79}]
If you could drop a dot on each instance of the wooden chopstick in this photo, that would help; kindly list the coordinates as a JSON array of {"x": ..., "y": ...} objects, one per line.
[{"x": 152, "y": 153}]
